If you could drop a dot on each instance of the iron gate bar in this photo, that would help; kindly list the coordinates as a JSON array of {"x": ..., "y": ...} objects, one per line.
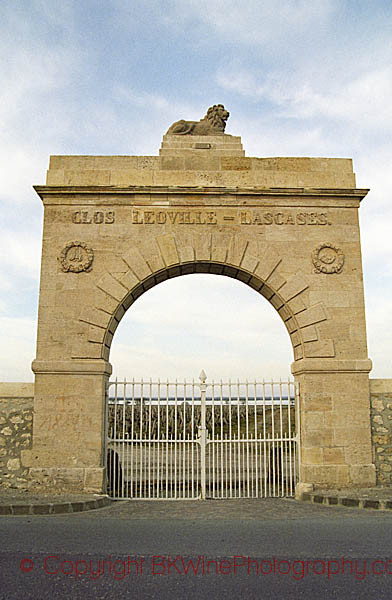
[{"x": 166, "y": 442}]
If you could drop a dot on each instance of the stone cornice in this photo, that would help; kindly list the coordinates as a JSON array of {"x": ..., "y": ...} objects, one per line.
[{"x": 232, "y": 195}]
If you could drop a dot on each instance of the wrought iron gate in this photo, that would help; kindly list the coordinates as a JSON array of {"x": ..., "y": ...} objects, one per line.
[{"x": 190, "y": 440}]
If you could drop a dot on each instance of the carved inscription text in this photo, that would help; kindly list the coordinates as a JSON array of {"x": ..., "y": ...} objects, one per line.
[
  {"x": 175, "y": 217},
  {"x": 163, "y": 216},
  {"x": 85, "y": 217},
  {"x": 212, "y": 217},
  {"x": 248, "y": 217}
]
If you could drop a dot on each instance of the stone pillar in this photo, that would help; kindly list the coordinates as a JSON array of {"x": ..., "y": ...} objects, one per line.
[
  {"x": 68, "y": 429},
  {"x": 336, "y": 446}
]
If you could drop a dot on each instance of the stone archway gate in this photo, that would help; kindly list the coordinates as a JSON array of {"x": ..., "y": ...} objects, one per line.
[
  {"x": 199, "y": 439},
  {"x": 114, "y": 226}
]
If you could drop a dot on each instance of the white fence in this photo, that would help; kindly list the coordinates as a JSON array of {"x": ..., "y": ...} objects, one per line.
[{"x": 190, "y": 440}]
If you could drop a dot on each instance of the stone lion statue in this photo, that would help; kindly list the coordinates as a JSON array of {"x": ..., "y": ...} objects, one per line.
[{"x": 213, "y": 123}]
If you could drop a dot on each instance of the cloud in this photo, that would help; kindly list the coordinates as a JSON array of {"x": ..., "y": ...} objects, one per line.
[
  {"x": 355, "y": 101},
  {"x": 254, "y": 22}
]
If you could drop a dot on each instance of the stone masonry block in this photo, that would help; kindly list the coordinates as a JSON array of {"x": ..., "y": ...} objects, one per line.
[
  {"x": 293, "y": 286},
  {"x": 202, "y": 245},
  {"x": 313, "y": 314},
  {"x": 111, "y": 286},
  {"x": 95, "y": 317},
  {"x": 276, "y": 281},
  {"x": 295, "y": 338},
  {"x": 320, "y": 349},
  {"x": 268, "y": 262},
  {"x": 291, "y": 325},
  {"x": 266, "y": 292},
  {"x": 276, "y": 302},
  {"x": 309, "y": 334},
  {"x": 236, "y": 250},
  {"x": 167, "y": 246},
  {"x": 129, "y": 280},
  {"x": 95, "y": 334},
  {"x": 297, "y": 305},
  {"x": 249, "y": 262},
  {"x": 298, "y": 352},
  {"x": 186, "y": 254},
  {"x": 218, "y": 253},
  {"x": 155, "y": 261},
  {"x": 137, "y": 263},
  {"x": 236, "y": 163},
  {"x": 86, "y": 350},
  {"x": 284, "y": 313},
  {"x": 104, "y": 302}
]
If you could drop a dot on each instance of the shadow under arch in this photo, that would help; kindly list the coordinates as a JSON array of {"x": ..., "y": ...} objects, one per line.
[{"x": 286, "y": 312}]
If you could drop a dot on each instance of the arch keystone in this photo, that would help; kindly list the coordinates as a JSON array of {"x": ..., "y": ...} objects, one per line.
[
  {"x": 202, "y": 246},
  {"x": 219, "y": 246},
  {"x": 168, "y": 249},
  {"x": 186, "y": 254}
]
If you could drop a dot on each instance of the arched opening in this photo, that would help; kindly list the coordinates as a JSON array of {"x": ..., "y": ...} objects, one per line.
[
  {"x": 285, "y": 311},
  {"x": 183, "y": 440},
  {"x": 201, "y": 321}
]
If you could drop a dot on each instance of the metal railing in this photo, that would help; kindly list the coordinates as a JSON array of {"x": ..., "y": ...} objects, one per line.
[{"x": 189, "y": 440}]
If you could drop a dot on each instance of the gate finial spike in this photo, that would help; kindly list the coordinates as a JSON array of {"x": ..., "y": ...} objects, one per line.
[{"x": 202, "y": 376}]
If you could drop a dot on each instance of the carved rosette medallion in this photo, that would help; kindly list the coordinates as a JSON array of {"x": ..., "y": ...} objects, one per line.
[
  {"x": 76, "y": 257},
  {"x": 327, "y": 258}
]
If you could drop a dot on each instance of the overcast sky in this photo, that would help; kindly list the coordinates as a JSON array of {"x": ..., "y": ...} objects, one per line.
[{"x": 300, "y": 78}]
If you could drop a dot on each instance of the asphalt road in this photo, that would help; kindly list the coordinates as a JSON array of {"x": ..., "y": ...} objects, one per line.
[{"x": 250, "y": 549}]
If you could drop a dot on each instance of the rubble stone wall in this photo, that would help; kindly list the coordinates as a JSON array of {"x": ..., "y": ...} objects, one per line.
[
  {"x": 16, "y": 421},
  {"x": 381, "y": 418}
]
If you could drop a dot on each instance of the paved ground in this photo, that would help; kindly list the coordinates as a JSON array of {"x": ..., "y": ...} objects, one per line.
[
  {"x": 296, "y": 550},
  {"x": 24, "y": 497},
  {"x": 27, "y": 502}
]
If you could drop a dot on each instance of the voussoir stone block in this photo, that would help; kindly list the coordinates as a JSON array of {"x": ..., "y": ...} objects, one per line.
[
  {"x": 112, "y": 287},
  {"x": 293, "y": 286},
  {"x": 312, "y": 315},
  {"x": 137, "y": 263},
  {"x": 167, "y": 246},
  {"x": 268, "y": 262}
]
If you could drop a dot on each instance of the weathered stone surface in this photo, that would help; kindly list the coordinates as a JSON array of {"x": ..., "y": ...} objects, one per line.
[
  {"x": 16, "y": 411},
  {"x": 381, "y": 418}
]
